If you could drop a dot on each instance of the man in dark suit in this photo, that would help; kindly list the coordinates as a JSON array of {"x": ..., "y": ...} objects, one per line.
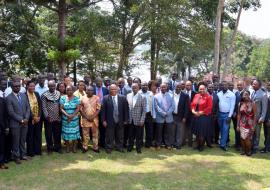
[
  {"x": 114, "y": 116},
  {"x": 240, "y": 88},
  {"x": 172, "y": 83},
  {"x": 214, "y": 115},
  {"x": 191, "y": 94},
  {"x": 101, "y": 91},
  {"x": 180, "y": 114},
  {"x": 19, "y": 113},
  {"x": 121, "y": 85},
  {"x": 3, "y": 132},
  {"x": 137, "y": 112}
]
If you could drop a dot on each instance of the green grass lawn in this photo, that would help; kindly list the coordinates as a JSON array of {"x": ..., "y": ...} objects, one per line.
[{"x": 176, "y": 169}]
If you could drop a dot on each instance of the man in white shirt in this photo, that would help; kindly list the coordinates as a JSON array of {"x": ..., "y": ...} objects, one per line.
[{"x": 226, "y": 108}]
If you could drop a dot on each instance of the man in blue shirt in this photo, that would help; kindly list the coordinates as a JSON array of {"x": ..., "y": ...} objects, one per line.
[{"x": 226, "y": 108}]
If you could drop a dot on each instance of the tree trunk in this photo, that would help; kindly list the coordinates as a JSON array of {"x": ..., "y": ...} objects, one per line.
[
  {"x": 75, "y": 72},
  {"x": 62, "y": 14},
  {"x": 230, "y": 49},
  {"x": 153, "y": 55},
  {"x": 217, "y": 35}
]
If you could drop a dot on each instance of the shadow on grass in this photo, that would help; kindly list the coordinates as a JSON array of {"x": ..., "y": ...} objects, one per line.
[{"x": 161, "y": 173}]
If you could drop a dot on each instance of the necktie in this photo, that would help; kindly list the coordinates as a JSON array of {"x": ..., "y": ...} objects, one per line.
[
  {"x": 99, "y": 93},
  {"x": 115, "y": 110},
  {"x": 19, "y": 100},
  {"x": 253, "y": 95}
]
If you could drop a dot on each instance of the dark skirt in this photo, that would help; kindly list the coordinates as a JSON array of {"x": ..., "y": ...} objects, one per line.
[{"x": 202, "y": 126}]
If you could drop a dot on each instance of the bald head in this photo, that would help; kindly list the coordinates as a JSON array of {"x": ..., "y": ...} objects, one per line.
[
  {"x": 240, "y": 85},
  {"x": 188, "y": 85}
]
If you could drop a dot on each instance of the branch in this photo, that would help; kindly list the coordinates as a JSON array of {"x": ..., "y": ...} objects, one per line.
[{"x": 86, "y": 3}]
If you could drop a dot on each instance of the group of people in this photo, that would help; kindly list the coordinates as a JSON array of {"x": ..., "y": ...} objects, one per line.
[{"x": 121, "y": 117}]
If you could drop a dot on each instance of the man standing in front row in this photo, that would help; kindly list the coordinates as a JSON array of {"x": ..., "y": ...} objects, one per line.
[
  {"x": 19, "y": 113},
  {"x": 137, "y": 111},
  {"x": 226, "y": 107},
  {"x": 114, "y": 117},
  {"x": 164, "y": 106}
]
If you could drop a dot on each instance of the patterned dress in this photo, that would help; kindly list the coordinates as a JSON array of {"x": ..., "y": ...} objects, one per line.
[
  {"x": 246, "y": 120},
  {"x": 70, "y": 130}
]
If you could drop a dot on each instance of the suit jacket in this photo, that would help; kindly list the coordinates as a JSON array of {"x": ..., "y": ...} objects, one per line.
[
  {"x": 105, "y": 91},
  {"x": 171, "y": 86},
  {"x": 267, "y": 116},
  {"x": 107, "y": 109},
  {"x": 237, "y": 101},
  {"x": 136, "y": 113},
  {"x": 183, "y": 106},
  {"x": 16, "y": 111},
  {"x": 261, "y": 100},
  {"x": 193, "y": 93},
  {"x": 162, "y": 115},
  {"x": 39, "y": 105},
  {"x": 215, "y": 104},
  {"x": 124, "y": 91},
  {"x": 3, "y": 115}
]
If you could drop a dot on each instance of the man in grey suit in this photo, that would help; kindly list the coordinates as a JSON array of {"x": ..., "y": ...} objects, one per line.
[
  {"x": 19, "y": 113},
  {"x": 164, "y": 106},
  {"x": 259, "y": 97},
  {"x": 137, "y": 111}
]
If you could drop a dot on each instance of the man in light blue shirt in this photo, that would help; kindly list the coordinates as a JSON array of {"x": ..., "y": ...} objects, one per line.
[
  {"x": 40, "y": 87},
  {"x": 226, "y": 108}
]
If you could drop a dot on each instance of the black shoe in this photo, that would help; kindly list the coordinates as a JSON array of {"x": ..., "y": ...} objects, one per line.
[
  {"x": 120, "y": 150},
  {"x": 223, "y": 148},
  {"x": 60, "y": 151},
  {"x": 139, "y": 151},
  {"x": 254, "y": 151},
  {"x": 17, "y": 161},
  {"x": 178, "y": 147},
  {"x": 96, "y": 150},
  {"x": 84, "y": 150},
  {"x": 264, "y": 151},
  {"x": 26, "y": 158},
  {"x": 108, "y": 151},
  {"x": 200, "y": 148},
  {"x": 129, "y": 149},
  {"x": 209, "y": 146}
]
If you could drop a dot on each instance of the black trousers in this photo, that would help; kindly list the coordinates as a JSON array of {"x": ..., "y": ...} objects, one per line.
[
  {"x": 126, "y": 135},
  {"x": 217, "y": 130},
  {"x": 102, "y": 133},
  {"x": 53, "y": 136},
  {"x": 2, "y": 147},
  {"x": 135, "y": 133},
  {"x": 266, "y": 131},
  {"x": 237, "y": 133},
  {"x": 34, "y": 139},
  {"x": 114, "y": 136},
  {"x": 8, "y": 146},
  {"x": 168, "y": 134},
  {"x": 149, "y": 130}
]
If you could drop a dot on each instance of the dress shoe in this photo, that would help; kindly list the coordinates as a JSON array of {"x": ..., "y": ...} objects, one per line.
[
  {"x": 108, "y": 151},
  {"x": 120, "y": 150},
  {"x": 168, "y": 147},
  {"x": 129, "y": 149},
  {"x": 209, "y": 146},
  {"x": 254, "y": 151},
  {"x": 3, "y": 167},
  {"x": 200, "y": 148},
  {"x": 139, "y": 151},
  {"x": 17, "y": 161},
  {"x": 26, "y": 158},
  {"x": 96, "y": 150},
  {"x": 223, "y": 148},
  {"x": 84, "y": 150}
]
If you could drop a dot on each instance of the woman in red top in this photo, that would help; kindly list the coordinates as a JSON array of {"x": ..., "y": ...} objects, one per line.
[
  {"x": 246, "y": 122},
  {"x": 201, "y": 107}
]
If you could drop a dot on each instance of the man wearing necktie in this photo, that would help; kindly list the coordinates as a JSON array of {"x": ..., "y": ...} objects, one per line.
[
  {"x": 114, "y": 116},
  {"x": 19, "y": 113},
  {"x": 259, "y": 97},
  {"x": 164, "y": 107}
]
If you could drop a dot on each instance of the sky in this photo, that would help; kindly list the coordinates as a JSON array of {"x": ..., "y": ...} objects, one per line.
[{"x": 256, "y": 23}]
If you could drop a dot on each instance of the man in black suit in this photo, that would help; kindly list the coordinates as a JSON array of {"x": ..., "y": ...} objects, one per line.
[
  {"x": 180, "y": 114},
  {"x": 101, "y": 91},
  {"x": 19, "y": 112},
  {"x": 191, "y": 95},
  {"x": 240, "y": 88},
  {"x": 172, "y": 83},
  {"x": 114, "y": 116},
  {"x": 3, "y": 132},
  {"x": 214, "y": 115}
]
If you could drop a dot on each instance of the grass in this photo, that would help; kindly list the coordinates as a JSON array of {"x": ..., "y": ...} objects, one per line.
[{"x": 176, "y": 169}]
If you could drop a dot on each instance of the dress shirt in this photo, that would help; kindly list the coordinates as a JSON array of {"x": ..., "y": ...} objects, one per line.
[
  {"x": 226, "y": 102},
  {"x": 148, "y": 98},
  {"x": 41, "y": 90},
  {"x": 115, "y": 98},
  {"x": 134, "y": 99},
  {"x": 268, "y": 94},
  {"x": 99, "y": 93},
  {"x": 176, "y": 98},
  {"x": 2, "y": 94},
  {"x": 189, "y": 93},
  {"x": 8, "y": 91}
]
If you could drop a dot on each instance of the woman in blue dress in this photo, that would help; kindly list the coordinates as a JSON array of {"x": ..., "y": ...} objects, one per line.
[{"x": 70, "y": 106}]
